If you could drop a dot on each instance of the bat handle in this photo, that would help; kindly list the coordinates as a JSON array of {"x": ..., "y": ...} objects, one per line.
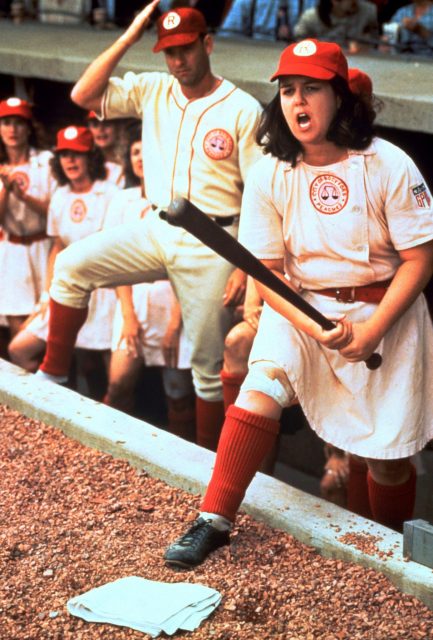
[{"x": 374, "y": 361}]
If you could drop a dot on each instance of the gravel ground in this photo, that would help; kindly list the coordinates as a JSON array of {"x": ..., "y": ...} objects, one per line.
[{"x": 73, "y": 519}]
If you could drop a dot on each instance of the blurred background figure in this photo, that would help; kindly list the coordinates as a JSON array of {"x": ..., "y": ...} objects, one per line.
[
  {"x": 351, "y": 23},
  {"x": 261, "y": 19},
  {"x": 106, "y": 138},
  {"x": 26, "y": 186},
  {"x": 411, "y": 28}
]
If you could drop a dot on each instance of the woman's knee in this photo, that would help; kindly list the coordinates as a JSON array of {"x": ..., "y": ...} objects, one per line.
[{"x": 390, "y": 471}]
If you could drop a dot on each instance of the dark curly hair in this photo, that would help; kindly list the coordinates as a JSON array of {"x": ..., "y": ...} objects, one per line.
[
  {"x": 132, "y": 134},
  {"x": 352, "y": 127},
  {"x": 95, "y": 164}
]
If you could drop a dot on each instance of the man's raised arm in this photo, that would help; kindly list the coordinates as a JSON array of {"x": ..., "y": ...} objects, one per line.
[{"x": 90, "y": 88}]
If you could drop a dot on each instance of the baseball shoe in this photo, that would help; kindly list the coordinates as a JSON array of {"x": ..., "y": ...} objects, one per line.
[{"x": 195, "y": 545}]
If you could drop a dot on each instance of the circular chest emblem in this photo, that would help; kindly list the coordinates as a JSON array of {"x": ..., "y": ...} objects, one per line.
[
  {"x": 218, "y": 144},
  {"x": 171, "y": 20},
  {"x": 329, "y": 194},
  {"x": 22, "y": 180},
  {"x": 78, "y": 211}
]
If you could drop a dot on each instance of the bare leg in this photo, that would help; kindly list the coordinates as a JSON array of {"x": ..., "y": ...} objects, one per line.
[
  {"x": 15, "y": 324},
  {"x": 122, "y": 379},
  {"x": 26, "y": 350}
]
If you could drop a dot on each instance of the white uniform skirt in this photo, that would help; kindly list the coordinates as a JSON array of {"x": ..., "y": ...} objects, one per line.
[
  {"x": 382, "y": 414},
  {"x": 97, "y": 330},
  {"x": 23, "y": 270},
  {"x": 153, "y": 303}
]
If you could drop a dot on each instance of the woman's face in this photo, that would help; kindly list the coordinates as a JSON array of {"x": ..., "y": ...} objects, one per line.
[
  {"x": 14, "y": 131},
  {"x": 136, "y": 158},
  {"x": 74, "y": 165},
  {"x": 104, "y": 134},
  {"x": 308, "y": 106}
]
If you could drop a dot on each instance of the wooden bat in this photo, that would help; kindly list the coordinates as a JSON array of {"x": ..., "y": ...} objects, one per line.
[{"x": 182, "y": 213}]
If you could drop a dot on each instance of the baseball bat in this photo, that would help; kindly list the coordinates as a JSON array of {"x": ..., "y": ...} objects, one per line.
[{"x": 182, "y": 213}]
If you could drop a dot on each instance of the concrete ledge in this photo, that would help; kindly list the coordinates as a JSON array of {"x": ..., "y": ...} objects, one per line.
[{"x": 310, "y": 519}]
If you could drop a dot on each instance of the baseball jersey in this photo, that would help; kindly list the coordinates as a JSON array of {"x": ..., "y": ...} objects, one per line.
[
  {"x": 115, "y": 173},
  {"x": 36, "y": 179},
  {"x": 200, "y": 149},
  {"x": 340, "y": 225}
]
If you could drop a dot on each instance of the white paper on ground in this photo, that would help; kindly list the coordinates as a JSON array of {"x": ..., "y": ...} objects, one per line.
[{"x": 146, "y": 605}]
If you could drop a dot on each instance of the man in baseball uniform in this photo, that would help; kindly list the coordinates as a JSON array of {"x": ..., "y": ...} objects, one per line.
[{"x": 198, "y": 142}]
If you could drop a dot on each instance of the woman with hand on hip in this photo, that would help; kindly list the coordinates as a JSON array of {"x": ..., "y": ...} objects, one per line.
[{"x": 345, "y": 218}]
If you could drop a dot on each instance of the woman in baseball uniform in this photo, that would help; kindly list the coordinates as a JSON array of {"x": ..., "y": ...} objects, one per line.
[
  {"x": 346, "y": 220},
  {"x": 147, "y": 325},
  {"x": 26, "y": 187},
  {"x": 77, "y": 209},
  {"x": 105, "y": 136}
]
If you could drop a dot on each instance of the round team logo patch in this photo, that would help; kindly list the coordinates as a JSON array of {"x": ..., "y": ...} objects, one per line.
[
  {"x": 78, "y": 210},
  {"x": 305, "y": 48},
  {"x": 218, "y": 144},
  {"x": 22, "y": 180},
  {"x": 329, "y": 194},
  {"x": 171, "y": 21}
]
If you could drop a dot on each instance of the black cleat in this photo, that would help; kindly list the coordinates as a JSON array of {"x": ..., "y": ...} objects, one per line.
[{"x": 195, "y": 545}]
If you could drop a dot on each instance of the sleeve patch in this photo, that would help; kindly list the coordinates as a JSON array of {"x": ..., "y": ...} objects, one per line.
[{"x": 422, "y": 196}]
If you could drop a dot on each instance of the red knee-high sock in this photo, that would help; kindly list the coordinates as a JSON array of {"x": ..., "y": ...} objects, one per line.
[
  {"x": 231, "y": 385},
  {"x": 209, "y": 422},
  {"x": 64, "y": 325},
  {"x": 245, "y": 440},
  {"x": 392, "y": 505},
  {"x": 358, "y": 500}
]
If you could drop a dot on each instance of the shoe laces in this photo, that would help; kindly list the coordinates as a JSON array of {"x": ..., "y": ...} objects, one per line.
[{"x": 195, "y": 534}]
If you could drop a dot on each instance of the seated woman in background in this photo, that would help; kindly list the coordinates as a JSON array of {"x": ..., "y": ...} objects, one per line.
[
  {"x": 26, "y": 186},
  {"x": 351, "y": 23},
  {"x": 106, "y": 137},
  {"x": 147, "y": 328},
  {"x": 77, "y": 209}
]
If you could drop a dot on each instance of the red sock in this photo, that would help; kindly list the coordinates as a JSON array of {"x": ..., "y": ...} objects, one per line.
[
  {"x": 209, "y": 422},
  {"x": 392, "y": 505},
  {"x": 64, "y": 325},
  {"x": 231, "y": 385},
  {"x": 245, "y": 440},
  {"x": 358, "y": 500}
]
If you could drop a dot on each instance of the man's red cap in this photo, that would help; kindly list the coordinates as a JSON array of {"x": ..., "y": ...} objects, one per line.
[
  {"x": 179, "y": 27},
  {"x": 15, "y": 107},
  {"x": 360, "y": 82},
  {"x": 77, "y": 139},
  {"x": 314, "y": 59}
]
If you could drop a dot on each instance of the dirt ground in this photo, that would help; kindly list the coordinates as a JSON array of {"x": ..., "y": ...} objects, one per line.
[{"x": 72, "y": 519}]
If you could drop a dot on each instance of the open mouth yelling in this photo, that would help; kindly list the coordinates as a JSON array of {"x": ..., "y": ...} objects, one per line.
[{"x": 303, "y": 120}]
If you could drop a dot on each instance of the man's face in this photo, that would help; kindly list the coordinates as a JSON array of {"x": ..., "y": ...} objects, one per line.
[{"x": 189, "y": 63}]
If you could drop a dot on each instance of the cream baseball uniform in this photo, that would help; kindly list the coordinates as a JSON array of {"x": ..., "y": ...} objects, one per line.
[
  {"x": 153, "y": 301},
  {"x": 202, "y": 150},
  {"x": 71, "y": 217},
  {"x": 115, "y": 173},
  {"x": 342, "y": 225},
  {"x": 23, "y": 266}
]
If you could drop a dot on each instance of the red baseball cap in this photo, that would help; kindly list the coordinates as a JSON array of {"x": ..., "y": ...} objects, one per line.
[
  {"x": 178, "y": 27},
  {"x": 314, "y": 59},
  {"x": 15, "y": 107},
  {"x": 77, "y": 139},
  {"x": 360, "y": 82}
]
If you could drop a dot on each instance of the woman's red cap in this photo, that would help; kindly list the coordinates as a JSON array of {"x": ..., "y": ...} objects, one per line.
[
  {"x": 77, "y": 139},
  {"x": 314, "y": 59},
  {"x": 179, "y": 27},
  {"x": 15, "y": 107}
]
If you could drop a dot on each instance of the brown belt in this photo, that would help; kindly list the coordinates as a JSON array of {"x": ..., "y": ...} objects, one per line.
[
  {"x": 373, "y": 292},
  {"x": 34, "y": 237}
]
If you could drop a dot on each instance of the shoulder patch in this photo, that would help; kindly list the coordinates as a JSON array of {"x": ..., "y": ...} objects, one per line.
[
  {"x": 218, "y": 144},
  {"x": 422, "y": 196}
]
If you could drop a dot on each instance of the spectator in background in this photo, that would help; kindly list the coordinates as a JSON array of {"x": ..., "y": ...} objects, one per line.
[
  {"x": 412, "y": 26},
  {"x": 260, "y": 19},
  {"x": 147, "y": 327},
  {"x": 105, "y": 136},
  {"x": 26, "y": 186},
  {"x": 213, "y": 10},
  {"x": 351, "y": 23}
]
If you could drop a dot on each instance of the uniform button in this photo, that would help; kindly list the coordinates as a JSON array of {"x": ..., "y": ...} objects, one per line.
[
  {"x": 356, "y": 209},
  {"x": 360, "y": 247}
]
